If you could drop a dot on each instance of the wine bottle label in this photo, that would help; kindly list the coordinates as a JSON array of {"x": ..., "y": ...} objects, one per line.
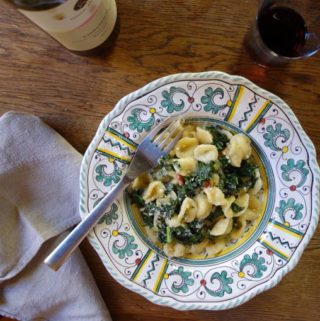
[{"x": 77, "y": 24}]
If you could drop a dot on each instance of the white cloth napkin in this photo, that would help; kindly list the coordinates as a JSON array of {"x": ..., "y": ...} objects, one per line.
[{"x": 39, "y": 199}]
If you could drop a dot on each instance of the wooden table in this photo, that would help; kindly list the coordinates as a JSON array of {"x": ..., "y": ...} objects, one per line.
[{"x": 160, "y": 37}]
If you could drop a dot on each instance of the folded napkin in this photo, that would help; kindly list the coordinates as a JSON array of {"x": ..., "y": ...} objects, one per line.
[{"x": 39, "y": 199}]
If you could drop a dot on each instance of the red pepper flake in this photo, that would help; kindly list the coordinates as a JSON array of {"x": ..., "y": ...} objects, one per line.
[
  {"x": 180, "y": 179},
  {"x": 206, "y": 184}
]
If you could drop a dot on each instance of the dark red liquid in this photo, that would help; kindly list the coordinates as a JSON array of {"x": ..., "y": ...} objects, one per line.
[{"x": 283, "y": 30}]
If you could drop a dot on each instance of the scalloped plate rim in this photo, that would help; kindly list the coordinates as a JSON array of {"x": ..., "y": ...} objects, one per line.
[{"x": 279, "y": 274}]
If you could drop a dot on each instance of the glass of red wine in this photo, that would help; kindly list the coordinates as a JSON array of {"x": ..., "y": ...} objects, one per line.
[{"x": 285, "y": 30}]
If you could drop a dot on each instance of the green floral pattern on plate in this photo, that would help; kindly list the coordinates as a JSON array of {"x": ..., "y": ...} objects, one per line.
[
  {"x": 224, "y": 286},
  {"x": 292, "y": 168},
  {"x": 291, "y": 208},
  {"x": 257, "y": 263},
  {"x": 208, "y": 100},
  {"x": 110, "y": 215},
  {"x": 231, "y": 281},
  {"x": 276, "y": 136},
  {"x": 137, "y": 123},
  {"x": 185, "y": 280},
  {"x": 168, "y": 101},
  {"x": 124, "y": 247},
  {"x": 108, "y": 177}
]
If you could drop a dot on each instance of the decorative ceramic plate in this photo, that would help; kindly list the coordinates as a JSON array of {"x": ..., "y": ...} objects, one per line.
[{"x": 266, "y": 253}]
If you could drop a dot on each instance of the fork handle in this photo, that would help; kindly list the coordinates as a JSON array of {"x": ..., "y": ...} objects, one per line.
[{"x": 71, "y": 242}]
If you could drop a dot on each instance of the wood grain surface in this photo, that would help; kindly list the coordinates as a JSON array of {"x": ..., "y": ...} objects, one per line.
[{"x": 158, "y": 37}]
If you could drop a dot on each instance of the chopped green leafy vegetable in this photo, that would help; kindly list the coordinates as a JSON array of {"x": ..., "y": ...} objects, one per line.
[
  {"x": 220, "y": 139},
  {"x": 187, "y": 235},
  {"x": 162, "y": 214},
  {"x": 236, "y": 208},
  {"x": 232, "y": 179},
  {"x": 203, "y": 173},
  {"x": 136, "y": 197},
  {"x": 217, "y": 211}
]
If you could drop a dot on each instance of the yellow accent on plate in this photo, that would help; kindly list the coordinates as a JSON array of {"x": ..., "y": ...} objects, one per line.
[
  {"x": 241, "y": 274},
  {"x": 235, "y": 106},
  {"x": 286, "y": 230},
  {"x": 268, "y": 244},
  {"x": 160, "y": 275},
  {"x": 145, "y": 260},
  {"x": 257, "y": 115},
  {"x": 121, "y": 140},
  {"x": 126, "y": 159}
]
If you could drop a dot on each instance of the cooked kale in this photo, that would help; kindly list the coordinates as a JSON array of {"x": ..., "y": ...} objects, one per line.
[
  {"x": 163, "y": 211},
  {"x": 162, "y": 233},
  {"x": 148, "y": 213},
  {"x": 236, "y": 208},
  {"x": 220, "y": 139},
  {"x": 188, "y": 235},
  {"x": 136, "y": 198},
  {"x": 168, "y": 210},
  {"x": 203, "y": 173},
  {"x": 232, "y": 179},
  {"x": 165, "y": 162},
  {"x": 216, "y": 212}
]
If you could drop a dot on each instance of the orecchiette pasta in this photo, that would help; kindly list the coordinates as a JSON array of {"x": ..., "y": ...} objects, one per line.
[
  {"x": 203, "y": 206},
  {"x": 226, "y": 207},
  {"x": 185, "y": 166},
  {"x": 189, "y": 131},
  {"x": 204, "y": 136},
  {"x": 155, "y": 190},
  {"x": 174, "y": 249},
  {"x": 239, "y": 228},
  {"x": 206, "y": 193},
  {"x": 250, "y": 215},
  {"x": 174, "y": 222},
  {"x": 216, "y": 248},
  {"x": 185, "y": 147},
  {"x": 188, "y": 210},
  {"x": 141, "y": 181},
  {"x": 242, "y": 202},
  {"x": 215, "y": 196},
  {"x": 239, "y": 148},
  {"x": 257, "y": 185},
  {"x": 198, "y": 248},
  {"x": 206, "y": 153},
  {"x": 222, "y": 227},
  {"x": 254, "y": 204}
]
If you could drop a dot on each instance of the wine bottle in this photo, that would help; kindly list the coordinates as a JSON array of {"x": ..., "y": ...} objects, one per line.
[{"x": 82, "y": 26}]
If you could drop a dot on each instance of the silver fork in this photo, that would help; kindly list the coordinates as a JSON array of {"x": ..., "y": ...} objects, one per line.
[{"x": 154, "y": 146}]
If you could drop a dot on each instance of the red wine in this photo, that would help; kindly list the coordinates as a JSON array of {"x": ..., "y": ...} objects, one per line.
[{"x": 283, "y": 30}]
